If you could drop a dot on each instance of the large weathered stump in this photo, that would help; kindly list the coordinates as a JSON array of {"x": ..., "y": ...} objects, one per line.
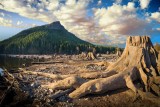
[{"x": 139, "y": 54}]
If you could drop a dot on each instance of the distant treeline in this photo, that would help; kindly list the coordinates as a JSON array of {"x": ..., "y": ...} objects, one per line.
[{"x": 51, "y": 48}]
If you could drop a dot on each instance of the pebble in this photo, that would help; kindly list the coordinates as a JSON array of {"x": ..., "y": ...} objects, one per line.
[
  {"x": 86, "y": 99},
  {"x": 95, "y": 67},
  {"x": 51, "y": 90}
]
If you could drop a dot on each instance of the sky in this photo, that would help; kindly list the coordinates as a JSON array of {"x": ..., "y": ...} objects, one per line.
[{"x": 103, "y": 22}]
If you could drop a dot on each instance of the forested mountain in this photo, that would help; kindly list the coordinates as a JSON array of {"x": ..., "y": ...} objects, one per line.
[{"x": 46, "y": 39}]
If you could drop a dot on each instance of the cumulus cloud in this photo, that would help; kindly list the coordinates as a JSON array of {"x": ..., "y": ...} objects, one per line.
[
  {"x": 155, "y": 16},
  {"x": 73, "y": 14},
  {"x": 99, "y": 2},
  {"x": 106, "y": 26},
  {"x": 23, "y": 25},
  {"x": 158, "y": 29},
  {"x": 19, "y": 22},
  {"x": 32, "y": 8},
  {"x": 118, "y": 1},
  {"x": 5, "y": 22},
  {"x": 2, "y": 14},
  {"x": 144, "y": 3},
  {"x": 119, "y": 21}
]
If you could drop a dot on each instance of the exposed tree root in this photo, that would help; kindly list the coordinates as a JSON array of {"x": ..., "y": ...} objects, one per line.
[
  {"x": 70, "y": 82},
  {"x": 102, "y": 85}
]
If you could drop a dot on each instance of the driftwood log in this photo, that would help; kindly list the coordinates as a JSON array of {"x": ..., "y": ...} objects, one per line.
[{"x": 138, "y": 62}]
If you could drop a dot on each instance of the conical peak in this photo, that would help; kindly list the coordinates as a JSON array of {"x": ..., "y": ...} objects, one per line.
[
  {"x": 56, "y": 25},
  {"x": 139, "y": 41}
]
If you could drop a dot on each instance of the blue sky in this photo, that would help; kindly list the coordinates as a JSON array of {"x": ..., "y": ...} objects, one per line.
[{"x": 105, "y": 22}]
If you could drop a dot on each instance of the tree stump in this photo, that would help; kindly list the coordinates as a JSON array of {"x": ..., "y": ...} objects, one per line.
[
  {"x": 138, "y": 54},
  {"x": 119, "y": 53},
  {"x": 91, "y": 56}
]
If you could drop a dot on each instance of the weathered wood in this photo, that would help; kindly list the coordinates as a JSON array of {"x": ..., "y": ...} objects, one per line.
[
  {"x": 89, "y": 75},
  {"x": 70, "y": 82},
  {"x": 61, "y": 93},
  {"x": 54, "y": 76},
  {"x": 102, "y": 85},
  {"x": 8, "y": 78}
]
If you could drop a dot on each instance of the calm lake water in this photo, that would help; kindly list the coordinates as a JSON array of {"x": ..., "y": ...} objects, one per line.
[{"x": 11, "y": 63}]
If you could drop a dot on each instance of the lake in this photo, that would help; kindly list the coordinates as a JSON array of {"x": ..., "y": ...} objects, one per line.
[{"x": 12, "y": 63}]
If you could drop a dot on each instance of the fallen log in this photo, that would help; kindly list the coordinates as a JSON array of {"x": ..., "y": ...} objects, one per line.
[
  {"x": 53, "y": 76},
  {"x": 89, "y": 75}
]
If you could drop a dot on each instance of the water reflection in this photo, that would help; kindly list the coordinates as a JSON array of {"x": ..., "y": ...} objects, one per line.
[
  {"x": 11, "y": 63},
  {"x": 1, "y": 72}
]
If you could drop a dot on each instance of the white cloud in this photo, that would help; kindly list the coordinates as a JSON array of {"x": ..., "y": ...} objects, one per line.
[
  {"x": 23, "y": 25},
  {"x": 52, "y": 5},
  {"x": 155, "y": 16},
  {"x": 158, "y": 29},
  {"x": 144, "y": 3},
  {"x": 99, "y": 2},
  {"x": 118, "y": 1},
  {"x": 5, "y": 22},
  {"x": 73, "y": 16},
  {"x": 2, "y": 14},
  {"x": 19, "y": 22},
  {"x": 32, "y": 8},
  {"x": 119, "y": 21}
]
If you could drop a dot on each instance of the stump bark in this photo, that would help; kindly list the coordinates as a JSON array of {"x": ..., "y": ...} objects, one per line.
[{"x": 139, "y": 52}]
